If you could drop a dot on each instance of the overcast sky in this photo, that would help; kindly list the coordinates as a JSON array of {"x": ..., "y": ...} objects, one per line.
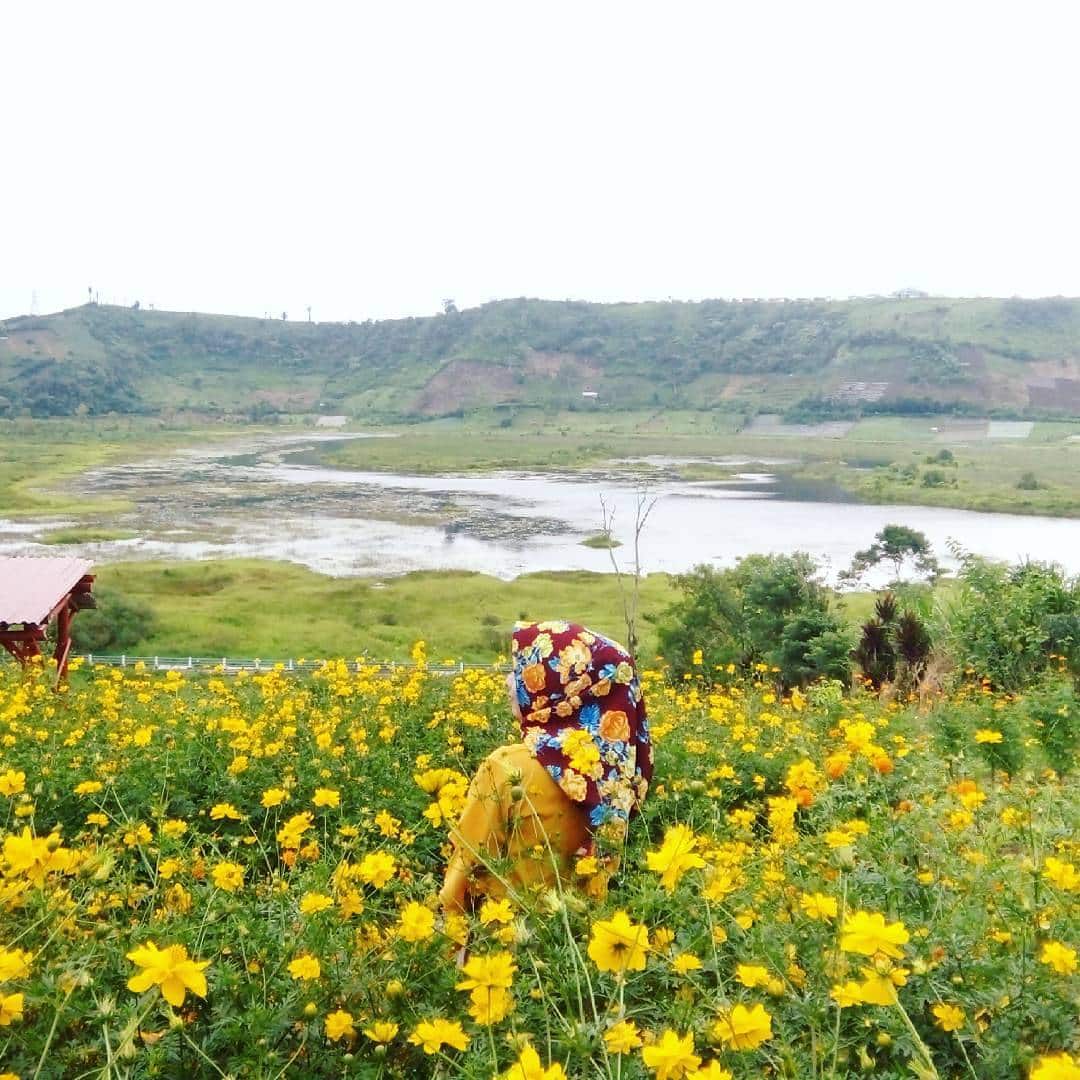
[{"x": 371, "y": 159}]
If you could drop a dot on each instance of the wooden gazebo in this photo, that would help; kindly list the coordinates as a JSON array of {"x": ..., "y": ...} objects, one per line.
[{"x": 34, "y": 592}]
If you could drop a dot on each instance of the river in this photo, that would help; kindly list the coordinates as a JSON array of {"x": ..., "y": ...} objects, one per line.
[{"x": 271, "y": 500}]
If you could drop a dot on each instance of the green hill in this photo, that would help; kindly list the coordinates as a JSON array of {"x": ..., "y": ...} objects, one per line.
[{"x": 809, "y": 359}]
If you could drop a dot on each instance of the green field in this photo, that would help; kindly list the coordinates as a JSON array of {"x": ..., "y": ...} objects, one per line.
[{"x": 249, "y": 608}]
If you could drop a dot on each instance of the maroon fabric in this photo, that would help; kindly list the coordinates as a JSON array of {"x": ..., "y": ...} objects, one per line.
[{"x": 583, "y": 718}]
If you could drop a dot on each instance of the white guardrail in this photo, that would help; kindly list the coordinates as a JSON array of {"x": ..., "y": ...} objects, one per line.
[{"x": 230, "y": 664}]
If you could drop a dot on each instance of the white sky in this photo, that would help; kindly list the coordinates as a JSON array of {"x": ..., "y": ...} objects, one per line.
[{"x": 372, "y": 158}]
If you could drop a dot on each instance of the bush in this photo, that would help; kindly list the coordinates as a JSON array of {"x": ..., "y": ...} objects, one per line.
[
  {"x": 116, "y": 624},
  {"x": 1005, "y": 623},
  {"x": 769, "y": 609}
]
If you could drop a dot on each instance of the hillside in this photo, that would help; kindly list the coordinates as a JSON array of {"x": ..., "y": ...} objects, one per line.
[{"x": 811, "y": 359}]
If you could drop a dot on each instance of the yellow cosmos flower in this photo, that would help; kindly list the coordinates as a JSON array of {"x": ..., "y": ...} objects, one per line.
[
  {"x": 685, "y": 963},
  {"x": 339, "y": 1025},
  {"x": 170, "y": 969},
  {"x": 529, "y": 1067},
  {"x": 948, "y": 1017},
  {"x": 11, "y": 1009},
  {"x": 326, "y": 797},
  {"x": 619, "y": 945},
  {"x": 1062, "y": 875},
  {"x": 743, "y": 1029},
  {"x": 382, "y": 1031},
  {"x": 417, "y": 922},
  {"x": 174, "y": 828},
  {"x": 485, "y": 972},
  {"x": 672, "y": 1056},
  {"x": 988, "y": 735},
  {"x": 305, "y": 968},
  {"x": 228, "y": 876},
  {"x": 1059, "y": 957},
  {"x": 1056, "y": 1067},
  {"x": 752, "y": 975},
  {"x": 818, "y": 906},
  {"x": 622, "y": 1037},
  {"x": 847, "y": 994},
  {"x": 867, "y": 933},
  {"x": 675, "y": 856},
  {"x": 14, "y": 964},
  {"x": 88, "y": 787},
  {"x": 432, "y": 1035},
  {"x": 377, "y": 868},
  {"x": 311, "y": 903},
  {"x": 34, "y": 857},
  {"x": 496, "y": 911},
  {"x": 224, "y": 811},
  {"x": 12, "y": 783},
  {"x": 272, "y": 797}
]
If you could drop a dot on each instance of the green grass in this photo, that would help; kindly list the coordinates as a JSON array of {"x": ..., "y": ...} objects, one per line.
[
  {"x": 601, "y": 541},
  {"x": 88, "y": 534},
  {"x": 247, "y": 607}
]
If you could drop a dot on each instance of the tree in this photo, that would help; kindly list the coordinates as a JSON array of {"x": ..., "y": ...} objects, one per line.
[
  {"x": 770, "y": 609},
  {"x": 895, "y": 544}
]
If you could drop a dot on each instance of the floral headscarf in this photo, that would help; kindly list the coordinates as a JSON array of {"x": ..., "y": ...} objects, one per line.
[{"x": 583, "y": 718}]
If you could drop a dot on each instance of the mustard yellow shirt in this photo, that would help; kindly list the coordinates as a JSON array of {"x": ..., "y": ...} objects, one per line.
[{"x": 518, "y": 831}]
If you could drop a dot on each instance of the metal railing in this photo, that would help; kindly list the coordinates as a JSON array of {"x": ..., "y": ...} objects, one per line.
[{"x": 230, "y": 665}]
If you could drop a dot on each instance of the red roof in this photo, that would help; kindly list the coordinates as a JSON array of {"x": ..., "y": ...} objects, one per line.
[{"x": 30, "y": 588}]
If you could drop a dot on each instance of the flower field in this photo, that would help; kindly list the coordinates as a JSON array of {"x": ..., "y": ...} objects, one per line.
[{"x": 237, "y": 876}]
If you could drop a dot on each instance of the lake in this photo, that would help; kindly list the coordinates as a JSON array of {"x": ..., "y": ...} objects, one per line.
[{"x": 271, "y": 499}]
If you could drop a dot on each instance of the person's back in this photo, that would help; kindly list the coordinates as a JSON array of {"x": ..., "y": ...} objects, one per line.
[{"x": 580, "y": 772}]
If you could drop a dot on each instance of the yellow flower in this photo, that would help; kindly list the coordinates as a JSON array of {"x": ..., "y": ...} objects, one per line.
[
  {"x": 1059, "y": 957},
  {"x": 684, "y": 963},
  {"x": 713, "y": 1071},
  {"x": 867, "y": 933},
  {"x": 496, "y": 911},
  {"x": 528, "y": 1067},
  {"x": 274, "y": 796},
  {"x": 382, "y": 1031},
  {"x": 228, "y": 876},
  {"x": 11, "y": 1008},
  {"x": 486, "y": 972},
  {"x": 387, "y": 824},
  {"x": 88, "y": 787},
  {"x": 489, "y": 1005},
  {"x": 1062, "y": 875},
  {"x": 100, "y": 820},
  {"x": 432, "y": 1035},
  {"x": 170, "y": 969},
  {"x": 14, "y": 964},
  {"x": 417, "y": 922},
  {"x": 12, "y": 783},
  {"x": 622, "y": 1037},
  {"x": 618, "y": 945},
  {"x": 377, "y": 868},
  {"x": 1056, "y": 1067},
  {"x": 675, "y": 856},
  {"x": 326, "y": 797},
  {"x": 818, "y": 906},
  {"x": 988, "y": 735},
  {"x": 672, "y": 1056},
  {"x": 174, "y": 828},
  {"x": 35, "y": 856},
  {"x": 948, "y": 1017},
  {"x": 751, "y": 975},
  {"x": 305, "y": 968},
  {"x": 847, "y": 994},
  {"x": 339, "y": 1025},
  {"x": 291, "y": 833},
  {"x": 222, "y": 810},
  {"x": 311, "y": 903},
  {"x": 742, "y": 1028}
]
